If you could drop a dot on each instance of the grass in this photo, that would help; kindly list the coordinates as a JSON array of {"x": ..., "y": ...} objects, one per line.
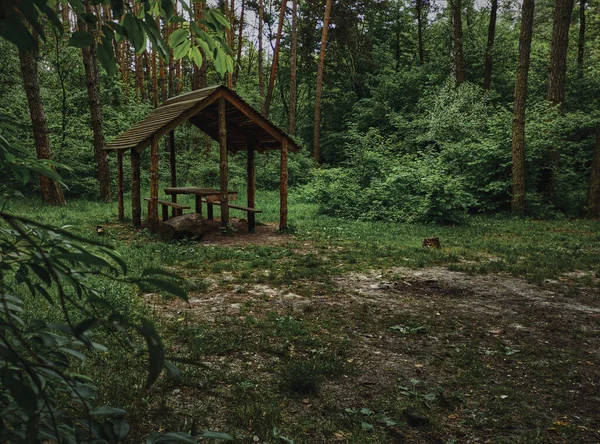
[{"x": 288, "y": 346}]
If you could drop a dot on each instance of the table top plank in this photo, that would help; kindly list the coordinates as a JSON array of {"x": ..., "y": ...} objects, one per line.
[{"x": 196, "y": 191}]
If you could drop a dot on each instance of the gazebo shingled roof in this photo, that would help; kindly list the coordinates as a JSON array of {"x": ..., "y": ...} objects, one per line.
[
  {"x": 200, "y": 108},
  {"x": 224, "y": 116}
]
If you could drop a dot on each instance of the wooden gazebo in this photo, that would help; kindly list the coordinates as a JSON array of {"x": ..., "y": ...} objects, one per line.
[{"x": 224, "y": 116}]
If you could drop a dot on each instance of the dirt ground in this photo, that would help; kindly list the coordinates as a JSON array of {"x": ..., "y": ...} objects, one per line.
[{"x": 481, "y": 358}]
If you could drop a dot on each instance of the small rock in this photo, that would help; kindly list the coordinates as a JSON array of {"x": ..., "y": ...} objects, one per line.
[
  {"x": 176, "y": 392},
  {"x": 415, "y": 418}
]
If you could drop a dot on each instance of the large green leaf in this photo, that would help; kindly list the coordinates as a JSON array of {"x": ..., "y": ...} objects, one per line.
[
  {"x": 81, "y": 39},
  {"x": 178, "y": 37},
  {"x": 135, "y": 32},
  {"x": 156, "y": 351}
]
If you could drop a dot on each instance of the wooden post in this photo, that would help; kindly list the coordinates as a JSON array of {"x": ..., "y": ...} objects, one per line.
[
  {"x": 153, "y": 204},
  {"x": 283, "y": 187},
  {"x": 250, "y": 184},
  {"x": 136, "y": 205},
  {"x": 199, "y": 204},
  {"x": 120, "y": 184},
  {"x": 224, "y": 198},
  {"x": 173, "y": 168}
]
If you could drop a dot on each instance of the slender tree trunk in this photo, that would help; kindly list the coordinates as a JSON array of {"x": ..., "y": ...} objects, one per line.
[
  {"x": 51, "y": 190},
  {"x": 319, "y": 89},
  {"x": 419, "y": 7},
  {"x": 154, "y": 80},
  {"x": 293, "y": 55},
  {"x": 518, "y": 129},
  {"x": 457, "y": 37},
  {"x": 556, "y": 81},
  {"x": 238, "y": 63},
  {"x": 581, "y": 42},
  {"x": 558, "y": 53},
  {"x": 229, "y": 13},
  {"x": 275, "y": 58},
  {"x": 593, "y": 195},
  {"x": 489, "y": 52},
  {"x": 92, "y": 81},
  {"x": 261, "y": 82}
]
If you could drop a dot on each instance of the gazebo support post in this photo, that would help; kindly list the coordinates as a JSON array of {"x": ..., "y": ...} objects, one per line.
[
  {"x": 250, "y": 184},
  {"x": 283, "y": 186},
  {"x": 173, "y": 169},
  {"x": 136, "y": 204},
  {"x": 153, "y": 203},
  {"x": 224, "y": 198},
  {"x": 120, "y": 184}
]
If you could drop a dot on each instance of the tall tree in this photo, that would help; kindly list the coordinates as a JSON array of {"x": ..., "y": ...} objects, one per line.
[
  {"x": 581, "y": 42},
  {"x": 593, "y": 194},
  {"x": 238, "y": 62},
  {"x": 558, "y": 53},
  {"x": 51, "y": 190},
  {"x": 489, "y": 52},
  {"x": 458, "y": 61},
  {"x": 319, "y": 88},
  {"x": 261, "y": 82},
  {"x": 518, "y": 128},
  {"x": 275, "y": 58},
  {"x": 293, "y": 65},
  {"x": 419, "y": 12},
  {"x": 556, "y": 80},
  {"x": 92, "y": 81}
]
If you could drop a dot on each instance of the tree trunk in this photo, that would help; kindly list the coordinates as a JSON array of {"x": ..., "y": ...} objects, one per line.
[
  {"x": 419, "y": 6},
  {"x": 51, "y": 190},
  {"x": 556, "y": 81},
  {"x": 581, "y": 42},
  {"x": 261, "y": 82},
  {"x": 593, "y": 195},
  {"x": 518, "y": 129},
  {"x": 236, "y": 72},
  {"x": 319, "y": 89},
  {"x": 558, "y": 53},
  {"x": 457, "y": 37},
  {"x": 92, "y": 81},
  {"x": 489, "y": 53},
  {"x": 275, "y": 58},
  {"x": 293, "y": 55},
  {"x": 154, "y": 79}
]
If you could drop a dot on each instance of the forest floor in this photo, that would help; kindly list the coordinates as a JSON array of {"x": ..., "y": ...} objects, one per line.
[
  {"x": 390, "y": 354},
  {"x": 349, "y": 331}
]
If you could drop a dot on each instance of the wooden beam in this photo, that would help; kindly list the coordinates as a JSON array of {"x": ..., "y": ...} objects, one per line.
[
  {"x": 250, "y": 183},
  {"x": 283, "y": 186},
  {"x": 136, "y": 204},
  {"x": 153, "y": 203},
  {"x": 173, "y": 165},
  {"x": 120, "y": 184},
  {"x": 224, "y": 198}
]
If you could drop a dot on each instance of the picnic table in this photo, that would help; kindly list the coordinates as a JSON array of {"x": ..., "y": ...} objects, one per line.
[{"x": 209, "y": 196}]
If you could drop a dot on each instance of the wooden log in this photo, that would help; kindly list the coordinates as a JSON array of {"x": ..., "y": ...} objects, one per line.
[
  {"x": 136, "y": 204},
  {"x": 283, "y": 187},
  {"x": 120, "y": 184},
  {"x": 250, "y": 184},
  {"x": 180, "y": 227},
  {"x": 223, "y": 162},
  {"x": 153, "y": 204}
]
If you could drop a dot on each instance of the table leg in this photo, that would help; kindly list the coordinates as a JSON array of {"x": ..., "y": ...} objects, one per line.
[
  {"x": 199, "y": 205},
  {"x": 210, "y": 211}
]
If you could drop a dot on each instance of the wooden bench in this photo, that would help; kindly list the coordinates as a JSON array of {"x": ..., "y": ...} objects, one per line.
[
  {"x": 177, "y": 208},
  {"x": 251, "y": 212}
]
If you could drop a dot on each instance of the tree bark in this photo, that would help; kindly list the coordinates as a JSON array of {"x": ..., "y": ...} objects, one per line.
[
  {"x": 581, "y": 42},
  {"x": 261, "y": 82},
  {"x": 275, "y": 58},
  {"x": 457, "y": 37},
  {"x": 518, "y": 129},
  {"x": 558, "y": 53},
  {"x": 92, "y": 81},
  {"x": 593, "y": 195},
  {"x": 236, "y": 72},
  {"x": 419, "y": 7},
  {"x": 319, "y": 89},
  {"x": 489, "y": 52},
  {"x": 293, "y": 56},
  {"x": 51, "y": 190}
]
